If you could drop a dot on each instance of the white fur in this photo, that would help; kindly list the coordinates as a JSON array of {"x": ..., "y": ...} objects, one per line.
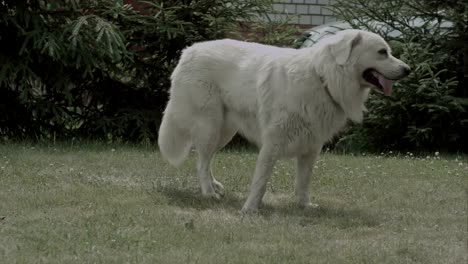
[{"x": 288, "y": 102}]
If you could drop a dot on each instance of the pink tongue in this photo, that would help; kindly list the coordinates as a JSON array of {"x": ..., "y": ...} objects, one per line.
[{"x": 386, "y": 84}]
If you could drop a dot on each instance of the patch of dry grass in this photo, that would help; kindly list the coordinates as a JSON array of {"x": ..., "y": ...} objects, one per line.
[{"x": 113, "y": 204}]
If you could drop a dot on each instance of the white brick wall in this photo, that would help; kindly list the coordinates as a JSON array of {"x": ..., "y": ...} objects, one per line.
[{"x": 309, "y": 12}]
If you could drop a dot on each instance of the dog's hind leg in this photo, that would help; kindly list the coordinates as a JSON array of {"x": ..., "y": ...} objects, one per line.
[
  {"x": 206, "y": 141},
  {"x": 227, "y": 133}
]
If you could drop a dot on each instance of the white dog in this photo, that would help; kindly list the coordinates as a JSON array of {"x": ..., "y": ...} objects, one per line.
[{"x": 288, "y": 102}]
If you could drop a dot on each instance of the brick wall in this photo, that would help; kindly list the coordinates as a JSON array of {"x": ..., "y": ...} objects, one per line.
[
  {"x": 307, "y": 12},
  {"x": 303, "y": 12}
]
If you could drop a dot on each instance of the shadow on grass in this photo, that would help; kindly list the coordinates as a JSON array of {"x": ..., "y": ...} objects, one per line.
[
  {"x": 326, "y": 214},
  {"x": 189, "y": 198}
]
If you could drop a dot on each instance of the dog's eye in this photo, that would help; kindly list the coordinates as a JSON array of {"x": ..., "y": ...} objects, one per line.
[{"x": 383, "y": 52}]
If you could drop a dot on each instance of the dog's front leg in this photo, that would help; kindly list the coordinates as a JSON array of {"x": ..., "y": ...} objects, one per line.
[
  {"x": 263, "y": 169},
  {"x": 305, "y": 164}
]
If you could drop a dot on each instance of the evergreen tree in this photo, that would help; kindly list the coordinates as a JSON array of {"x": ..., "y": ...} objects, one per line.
[
  {"x": 99, "y": 68},
  {"x": 429, "y": 109}
]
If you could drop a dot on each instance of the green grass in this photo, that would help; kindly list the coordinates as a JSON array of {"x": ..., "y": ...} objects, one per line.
[{"x": 120, "y": 204}]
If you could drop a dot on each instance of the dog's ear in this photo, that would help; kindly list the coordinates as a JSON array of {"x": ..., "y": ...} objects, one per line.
[{"x": 341, "y": 50}]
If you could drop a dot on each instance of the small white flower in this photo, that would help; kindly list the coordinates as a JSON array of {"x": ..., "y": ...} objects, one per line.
[
  {"x": 436, "y": 153},
  {"x": 112, "y": 150}
]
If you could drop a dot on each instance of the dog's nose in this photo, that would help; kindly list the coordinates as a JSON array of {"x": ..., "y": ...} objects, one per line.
[{"x": 406, "y": 70}]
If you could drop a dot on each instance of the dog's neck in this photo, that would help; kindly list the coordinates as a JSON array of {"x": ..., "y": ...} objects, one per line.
[{"x": 327, "y": 91}]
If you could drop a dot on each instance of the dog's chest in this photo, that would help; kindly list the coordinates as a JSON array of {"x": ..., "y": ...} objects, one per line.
[{"x": 303, "y": 133}]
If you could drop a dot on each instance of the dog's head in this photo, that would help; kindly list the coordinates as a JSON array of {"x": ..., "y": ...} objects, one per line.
[{"x": 370, "y": 56}]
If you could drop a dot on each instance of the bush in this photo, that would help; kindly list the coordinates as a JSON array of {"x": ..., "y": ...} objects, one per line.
[
  {"x": 99, "y": 68},
  {"x": 428, "y": 110},
  {"x": 277, "y": 32},
  {"x": 49, "y": 57}
]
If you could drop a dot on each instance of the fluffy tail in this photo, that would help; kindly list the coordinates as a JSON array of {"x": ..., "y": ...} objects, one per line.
[{"x": 173, "y": 143}]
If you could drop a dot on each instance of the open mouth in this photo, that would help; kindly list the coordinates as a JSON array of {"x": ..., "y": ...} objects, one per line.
[{"x": 379, "y": 81}]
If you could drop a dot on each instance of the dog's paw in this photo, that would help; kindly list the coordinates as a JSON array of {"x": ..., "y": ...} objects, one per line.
[
  {"x": 212, "y": 195},
  {"x": 218, "y": 188},
  {"x": 248, "y": 209}
]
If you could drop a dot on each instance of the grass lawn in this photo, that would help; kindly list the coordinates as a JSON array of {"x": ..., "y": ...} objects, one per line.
[{"x": 121, "y": 204}]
